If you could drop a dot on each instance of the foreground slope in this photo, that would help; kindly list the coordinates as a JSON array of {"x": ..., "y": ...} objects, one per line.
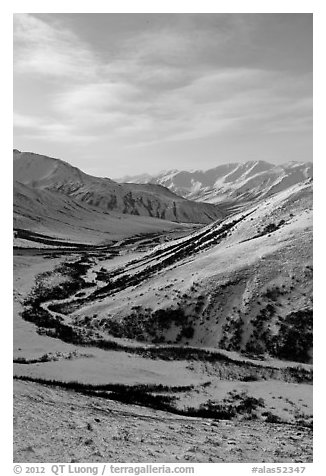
[
  {"x": 44, "y": 173},
  {"x": 55, "y": 425}
]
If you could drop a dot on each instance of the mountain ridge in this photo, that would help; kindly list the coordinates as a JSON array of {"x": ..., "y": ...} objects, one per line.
[
  {"x": 235, "y": 181},
  {"x": 150, "y": 200}
]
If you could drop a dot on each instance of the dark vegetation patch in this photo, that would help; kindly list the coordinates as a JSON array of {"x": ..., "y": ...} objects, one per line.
[
  {"x": 295, "y": 337},
  {"x": 274, "y": 293},
  {"x": 44, "y": 291},
  {"x": 50, "y": 357},
  {"x": 57, "y": 242},
  {"x": 232, "y": 333},
  {"x": 235, "y": 405},
  {"x": 114, "y": 387},
  {"x": 261, "y": 339},
  {"x": 292, "y": 340},
  {"x": 149, "y": 395},
  {"x": 144, "y": 324},
  {"x": 267, "y": 230},
  {"x": 271, "y": 227}
]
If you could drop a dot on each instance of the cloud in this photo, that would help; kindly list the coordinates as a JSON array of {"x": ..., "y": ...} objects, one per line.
[
  {"x": 23, "y": 121},
  {"x": 161, "y": 85},
  {"x": 44, "y": 49},
  {"x": 221, "y": 101},
  {"x": 49, "y": 130},
  {"x": 97, "y": 97}
]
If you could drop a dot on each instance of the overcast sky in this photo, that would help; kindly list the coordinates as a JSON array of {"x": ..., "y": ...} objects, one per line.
[{"x": 118, "y": 94}]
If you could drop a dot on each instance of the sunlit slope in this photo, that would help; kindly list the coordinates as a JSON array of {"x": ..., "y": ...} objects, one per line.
[{"x": 244, "y": 284}]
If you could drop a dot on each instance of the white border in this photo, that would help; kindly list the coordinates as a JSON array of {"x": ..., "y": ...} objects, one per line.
[{"x": 166, "y": 6}]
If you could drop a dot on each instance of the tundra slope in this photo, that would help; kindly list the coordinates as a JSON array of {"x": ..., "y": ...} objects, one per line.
[{"x": 243, "y": 285}]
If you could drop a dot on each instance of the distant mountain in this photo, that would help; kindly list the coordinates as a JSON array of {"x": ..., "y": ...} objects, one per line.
[
  {"x": 61, "y": 217},
  {"x": 238, "y": 182},
  {"x": 40, "y": 172}
]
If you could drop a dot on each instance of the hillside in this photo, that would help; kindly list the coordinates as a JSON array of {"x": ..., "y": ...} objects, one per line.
[
  {"x": 60, "y": 217},
  {"x": 235, "y": 182},
  {"x": 148, "y": 200}
]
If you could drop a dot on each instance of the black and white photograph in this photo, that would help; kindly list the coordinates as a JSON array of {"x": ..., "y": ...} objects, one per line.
[{"x": 162, "y": 238}]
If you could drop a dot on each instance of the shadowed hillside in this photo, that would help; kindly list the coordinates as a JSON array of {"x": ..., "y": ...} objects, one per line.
[{"x": 44, "y": 173}]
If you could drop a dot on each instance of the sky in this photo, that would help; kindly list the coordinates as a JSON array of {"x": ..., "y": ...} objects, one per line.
[{"x": 125, "y": 94}]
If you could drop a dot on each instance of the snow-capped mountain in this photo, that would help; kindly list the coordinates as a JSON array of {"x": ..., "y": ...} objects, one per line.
[{"x": 230, "y": 182}]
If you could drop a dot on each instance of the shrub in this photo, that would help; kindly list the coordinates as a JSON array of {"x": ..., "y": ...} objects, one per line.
[
  {"x": 295, "y": 338},
  {"x": 271, "y": 418}
]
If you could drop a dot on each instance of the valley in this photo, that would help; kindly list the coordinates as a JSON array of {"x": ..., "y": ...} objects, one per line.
[{"x": 204, "y": 327}]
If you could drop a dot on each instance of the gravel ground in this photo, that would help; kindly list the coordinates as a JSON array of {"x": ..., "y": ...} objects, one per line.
[{"x": 55, "y": 425}]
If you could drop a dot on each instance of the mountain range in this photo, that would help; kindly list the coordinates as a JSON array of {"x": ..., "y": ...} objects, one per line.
[{"x": 235, "y": 182}]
